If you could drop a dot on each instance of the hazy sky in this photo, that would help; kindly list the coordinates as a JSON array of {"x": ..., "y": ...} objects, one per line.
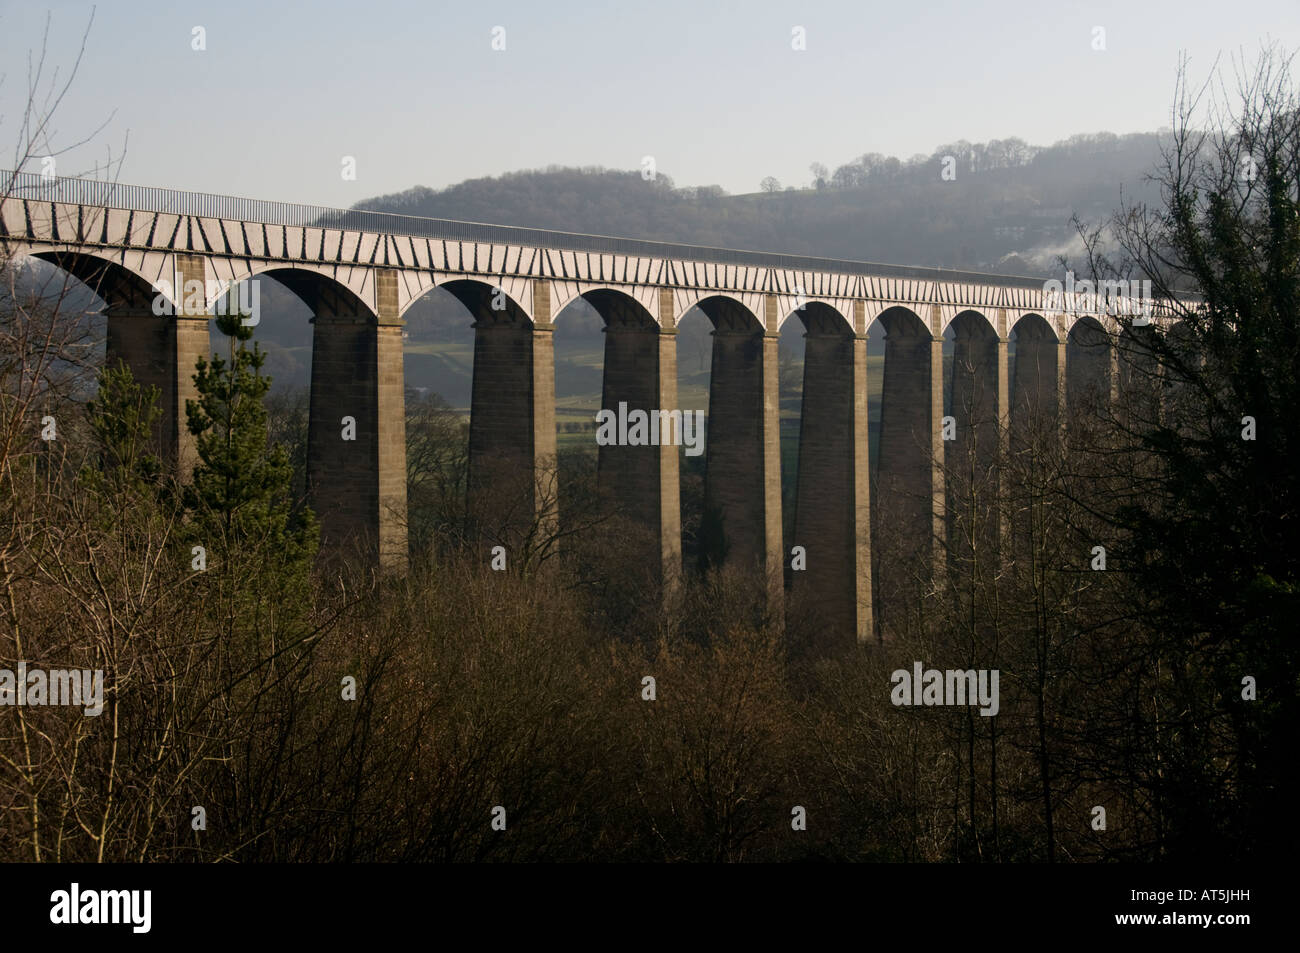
[{"x": 713, "y": 91}]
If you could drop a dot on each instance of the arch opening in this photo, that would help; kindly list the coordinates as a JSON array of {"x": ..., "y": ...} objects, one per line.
[
  {"x": 1088, "y": 370},
  {"x": 1034, "y": 358},
  {"x": 824, "y": 457},
  {"x": 907, "y": 489},
  {"x": 740, "y": 525},
  {"x": 971, "y": 444},
  {"x": 619, "y": 470}
]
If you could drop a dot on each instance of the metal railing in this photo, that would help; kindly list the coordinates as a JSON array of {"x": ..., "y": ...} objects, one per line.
[{"x": 35, "y": 186}]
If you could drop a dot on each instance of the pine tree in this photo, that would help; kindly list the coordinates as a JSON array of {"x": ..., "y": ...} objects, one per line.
[
  {"x": 239, "y": 498},
  {"x": 122, "y": 418},
  {"x": 1217, "y": 569}
]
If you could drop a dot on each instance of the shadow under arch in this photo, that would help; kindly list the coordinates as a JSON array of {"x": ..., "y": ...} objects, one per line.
[
  {"x": 1087, "y": 369},
  {"x": 830, "y": 609},
  {"x": 486, "y": 303},
  {"x": 740, "y": 527},
  {"x": 512, "y": 479},
  {"x": 907, "y": 490},
  {"x": 971, "y": 449},
  {"x": 89, "y": 302},
  {"x": 116, "y": 285},
  {"x": 632, "y": 525},
  {"x": 323, "y": 296},
  {"x": 974, "y": 402},
  {"x": 1037, "y": 406},
  {"x": 142, "y": 332},
  {"x": 1035, "y": 377},
  {"x": 633, "y": 352},
  {"x": 356, "y": 431}
]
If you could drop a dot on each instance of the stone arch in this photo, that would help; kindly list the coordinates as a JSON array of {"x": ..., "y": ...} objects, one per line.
[
  {"x": 817, "y": 343},
  {"x": 1135, "y": 342},
  {"x": 974, "y": 392},
  {"x": 476, "y": 293},
  {"x": 1180, "y": 339},
  {"x": 117, "y": 285},
  {"x": 1087, "y": 366},
  {"x": 821, "y": 317},
  {"x": 729, "y": 315},
  {"x": 902, "y": 322},
  {"x": 741, "y": 524},
  {"x": 976, "y": 409},
  {"x": 637, "y": 478},
  {"x": 322, "y": 293},
  {"x": 356, "y": 432},
  {"x": 965, "y": 317},
  {"x": 618, "y": 307},
  {"x": 487, "y": 304},
  {"x": 814, "y": 341},
  {"x": 822, "y": 313},
  {"x": 578, "y": 320},
  {"x": 512, "y": 479},
  {"x": 1034, "y": 324},
  {"x": 907, "y": 518},
  {"x": 143, "y": 333},
  {"x": 832, "y": 592},
  {"x": 1180, "y": 366},
  {"x": 974, "y": 371},
  {"x": 1036, "y": 372},
  {"x": 606, "y": 297}
]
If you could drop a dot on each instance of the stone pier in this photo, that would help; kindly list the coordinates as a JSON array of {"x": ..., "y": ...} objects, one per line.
[
  {"x": 742, "y": 485},
  {"x": 832, "y": 499}
]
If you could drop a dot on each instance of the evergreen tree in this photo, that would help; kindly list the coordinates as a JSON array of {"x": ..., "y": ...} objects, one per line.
[
  {"x": 1214, "y": 555},
  {"x": 122, "y": 418},
  {"x": 239, "y": 498}
]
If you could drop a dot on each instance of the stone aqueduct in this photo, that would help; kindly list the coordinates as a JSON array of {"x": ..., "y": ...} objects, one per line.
[{"x": 359, "y": 271}]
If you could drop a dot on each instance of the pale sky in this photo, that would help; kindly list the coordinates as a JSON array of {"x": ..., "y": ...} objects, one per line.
[{"x": 714, "y": 91}]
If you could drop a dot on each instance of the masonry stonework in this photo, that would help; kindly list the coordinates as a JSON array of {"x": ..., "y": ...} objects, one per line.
[
  {"x": 831, "y": 505},
  {"x": 358, "y": 283}
]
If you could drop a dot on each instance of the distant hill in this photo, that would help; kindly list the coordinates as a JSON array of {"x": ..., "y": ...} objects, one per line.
[{"x": 1008, "y": 208}]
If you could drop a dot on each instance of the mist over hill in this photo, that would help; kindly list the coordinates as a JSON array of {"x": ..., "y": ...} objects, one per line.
[{"x": 1005, "y": 205}]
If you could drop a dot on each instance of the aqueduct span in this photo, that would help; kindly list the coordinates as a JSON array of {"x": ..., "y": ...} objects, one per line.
[{"x": 359, "y": 271}]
